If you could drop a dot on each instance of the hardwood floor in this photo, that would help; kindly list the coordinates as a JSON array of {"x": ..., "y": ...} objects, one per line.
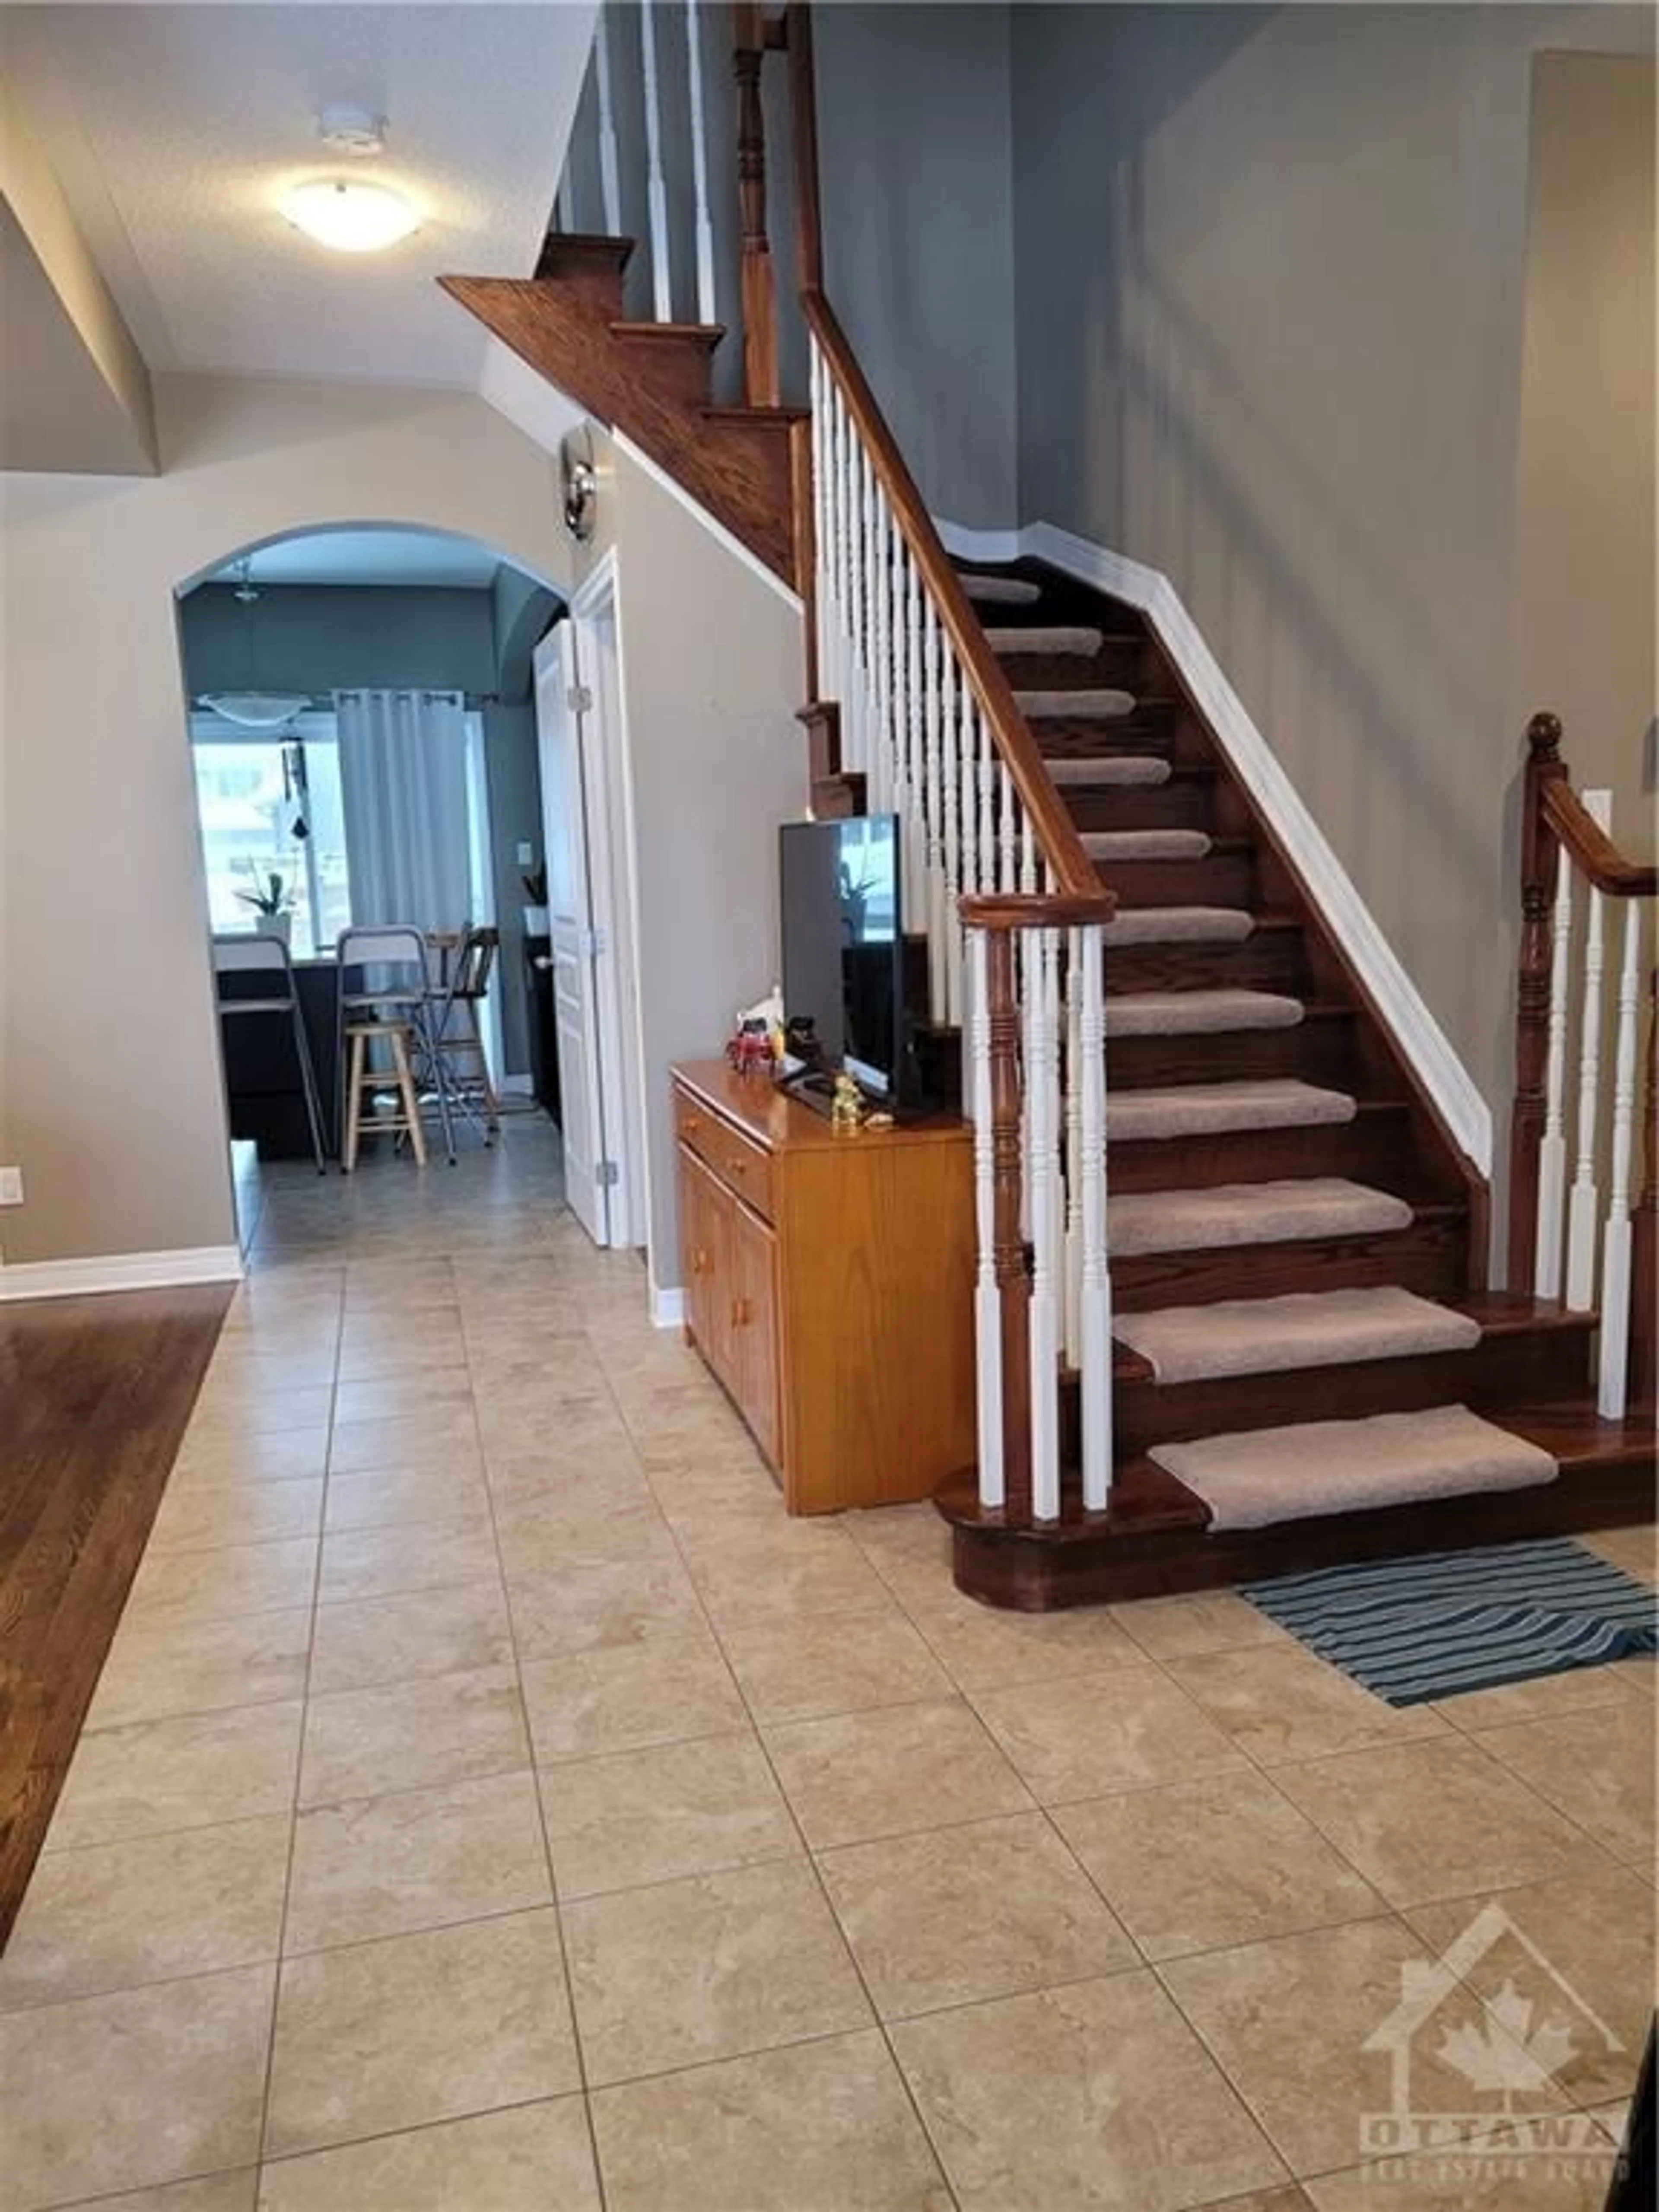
[{"x": 94, "y": 1393}]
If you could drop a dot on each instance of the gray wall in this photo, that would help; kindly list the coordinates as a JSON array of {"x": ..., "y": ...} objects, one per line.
[
  {"x": 1270, "y": 266},
  {"x": 913, "y": 136}
]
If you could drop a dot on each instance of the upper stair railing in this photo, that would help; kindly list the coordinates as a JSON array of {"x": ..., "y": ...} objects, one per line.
[{"x": 1571, "y": 871}]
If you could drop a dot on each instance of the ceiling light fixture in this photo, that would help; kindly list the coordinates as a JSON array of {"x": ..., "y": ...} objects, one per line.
[
  {"x": 251, "y": 708},
  {"x": 350, "y": 216}
]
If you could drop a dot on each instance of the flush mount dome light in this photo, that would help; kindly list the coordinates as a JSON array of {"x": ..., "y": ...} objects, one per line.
[{"x": 351, "y": 216}]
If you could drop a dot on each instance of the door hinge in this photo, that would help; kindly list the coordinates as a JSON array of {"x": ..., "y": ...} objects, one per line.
[
  {"x": 607, "y": 1174},
  {"x": 590, "y": 943},
  {"x": 579, "y": 699}
]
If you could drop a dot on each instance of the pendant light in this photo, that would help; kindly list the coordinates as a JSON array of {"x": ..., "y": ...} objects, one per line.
[{"x": 251, "y": 708}]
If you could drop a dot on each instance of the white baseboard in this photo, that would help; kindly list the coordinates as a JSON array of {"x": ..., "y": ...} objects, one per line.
[
  {"x": 667, "y": 1308},
  {"x": 120, "y": 1271},
  {"x": 1328, "y": 883}
]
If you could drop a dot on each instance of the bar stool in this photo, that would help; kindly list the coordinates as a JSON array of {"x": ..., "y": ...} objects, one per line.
[
  {"x": 465, "y": 961},
  {"x": 390, "y": 1005},
  {"x": 268, "y": 957}
]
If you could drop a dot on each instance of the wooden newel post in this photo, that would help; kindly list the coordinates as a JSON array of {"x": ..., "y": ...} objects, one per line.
[
  {"x": 1540, "y": 860},
  {"x": 1644, "y": 1230},
  {"x": 760, "y": 324},
  {"x": 1014, "y": 1284}
]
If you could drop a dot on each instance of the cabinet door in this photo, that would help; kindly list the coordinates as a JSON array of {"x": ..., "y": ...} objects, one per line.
[
  {"x": 755, "y": 1326},
  {"x": 707, "y": 1269}
]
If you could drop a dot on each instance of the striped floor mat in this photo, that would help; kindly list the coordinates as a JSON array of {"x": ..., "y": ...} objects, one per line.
[{"x": 1450, "y": 1621}]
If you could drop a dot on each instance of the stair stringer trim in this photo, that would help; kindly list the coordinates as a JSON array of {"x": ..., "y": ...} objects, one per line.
[{"x": 1425, "y": 1044}]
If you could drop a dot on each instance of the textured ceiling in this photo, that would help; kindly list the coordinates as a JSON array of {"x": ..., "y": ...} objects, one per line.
[
  {"x": 371, "y": 557},
  {"x": 172, "y": 130}
]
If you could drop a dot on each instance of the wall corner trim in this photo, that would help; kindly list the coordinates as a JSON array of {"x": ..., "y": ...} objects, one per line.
[
  {"x": 668, "y": 1309},
  {"x": 1420, "y": 1037},
  {"x": 120, "y": 1271},
  {"x": 716, "y": 529}
]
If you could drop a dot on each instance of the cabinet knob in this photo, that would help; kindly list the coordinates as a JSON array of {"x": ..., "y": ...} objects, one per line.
[
  {"x": 688, "y": 1126},
  {"x": 736, "y": 1166},
  {"x": 699, "y": 1262}
]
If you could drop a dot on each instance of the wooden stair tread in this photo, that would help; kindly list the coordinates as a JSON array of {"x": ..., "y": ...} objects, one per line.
[
  {"x": 759, "y": 418},
  {"x": 707, "y": 335}
]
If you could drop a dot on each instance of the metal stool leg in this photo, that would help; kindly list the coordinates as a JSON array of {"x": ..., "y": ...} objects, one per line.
[
  {"x": 309, "y": 1084},
  {"x": 405, "y": 1075},
  {"x": 425, "y": 1037},
  {"x": 354, "y": 1095}
]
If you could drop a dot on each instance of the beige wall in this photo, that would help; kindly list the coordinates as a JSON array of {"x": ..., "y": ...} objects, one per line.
[
  {"x": 110, "y": 1094},
  {"x": 1585, "y": 588},
  {"x": 1269, "y": 264}
]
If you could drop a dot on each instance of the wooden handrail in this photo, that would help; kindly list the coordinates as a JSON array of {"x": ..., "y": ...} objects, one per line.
[
  {"x": 1055, "y": 832},
  {"x": 1035, "y": 910},
  {"x": 1592, "y": 852}
]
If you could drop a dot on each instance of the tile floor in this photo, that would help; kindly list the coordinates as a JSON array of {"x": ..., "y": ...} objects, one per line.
[{"x": 492, "y": 1803}]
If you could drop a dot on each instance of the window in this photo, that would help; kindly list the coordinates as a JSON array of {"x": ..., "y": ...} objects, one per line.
[{"x": 250, "y": 786}]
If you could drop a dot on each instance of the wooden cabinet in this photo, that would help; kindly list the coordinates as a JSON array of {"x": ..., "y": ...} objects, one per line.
[{"x": 829, "y": 1283}]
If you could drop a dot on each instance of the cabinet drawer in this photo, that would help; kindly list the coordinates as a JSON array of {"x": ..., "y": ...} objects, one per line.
[{"x": 740, "y": 1163}]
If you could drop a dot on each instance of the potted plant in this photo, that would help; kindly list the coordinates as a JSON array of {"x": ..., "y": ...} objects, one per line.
[
  {"x": 271, "y": 900},
  {"x": 535, "y": 913}
]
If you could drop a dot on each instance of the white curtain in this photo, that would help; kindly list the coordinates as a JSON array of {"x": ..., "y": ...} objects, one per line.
[{"x": 403, "y": 789}]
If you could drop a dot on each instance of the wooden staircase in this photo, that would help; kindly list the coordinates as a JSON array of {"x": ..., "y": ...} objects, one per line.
[{"x": 1530, "y": 1372}]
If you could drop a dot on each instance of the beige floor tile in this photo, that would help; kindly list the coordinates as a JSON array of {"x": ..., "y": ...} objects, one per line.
[
  {"x": 535, "y": 2158},
  {"x": 609, "y": 1602},
  {"x": 625, "y": 1697},
  {"x": 165, "y": 1666},
  {"x": 1636, "y": 1550},
  {"x": 1579, "y": 1951},
  {"x": 372, "y": 1350},
  {"x": 796, "y": 1670},
  {"x": 787, "y": 1576},
  {"x": 221, "y": 1585},
  {"x": 1300, "y": 2023},
  {"x": 1489, "y": 2181},
  {"x": 142, "y": 2085},
  {"x": 961, "y": 1914},
  {"x": 680, "y": 1809},
  {"x": 188, "y": 1771},
  {"x": 206, "y": 1518},
  {"x": 1192, "y": 1627},
  {"x": 1581, "y": 1689},
  {"x": 858, "y": 1776},
  {"x": 405, "y": 1638},
  {"x": 444, "y": 1438},
  {"x": 404, "y": 1735},
  {"x": 823, "y": 2127},
  {"x": 393, "y": 1495},
  {"x": 294, "y": 1456},
  {"x": 1086, "y": 2099},
  {"x": 608, "y": 1469},
  {"x": 368, "y": 1563},
  {"x": 421, "y": 1858},
  {"x": 395, "y": 2034},
  {"x": 985, "y": 1649},
  {"x": 709, "y": 1967},
  {"x": 550, "y": 1535},
  {"x": 1194, "y": 1866},
  {"x": 261, "y": 1413},
  {"x": 157, "y": 1909},
  {"x": 214, "y": 2192},
  {"x": 401, "y": 1397},
  {"x": 1093, "y": 1733},
  {"x": 1283, "y": 1702},
  {"x": 1434, "y": 1821},
  {"x": 1596, "y": 1767}
]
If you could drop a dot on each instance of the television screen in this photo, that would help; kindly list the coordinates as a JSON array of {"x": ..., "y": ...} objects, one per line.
[{"x": 843, "y": 943}]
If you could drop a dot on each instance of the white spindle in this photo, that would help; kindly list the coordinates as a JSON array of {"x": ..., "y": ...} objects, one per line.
[
  {"x": 1095, "y": 1354},
  {"x": 952, "y": 702},
  {"x": 1009, "y": 832},
  {"x": 610, "y": 174},
  {"x": 1042, "y": 1028},
  {"x": 1613, "y": 1378},
  {"x": 939, "y": 912},
  {"x": 987, "y": 1306},
  {"x": 1583, "y": 1206},
  {"x": 1553, "y": 1148},
  {"x": 917, "y": 716},
  {"x": 656, "y": 185},
  {"x": 986, "y": 839},
  {"x": 705, "y": 225},
  {"x": 881, "y": 692},
  {"x": 1073, "y": 1147},
  {"x": 823, "y": 593}
]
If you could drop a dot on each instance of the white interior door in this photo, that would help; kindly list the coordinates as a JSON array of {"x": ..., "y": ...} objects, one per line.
[{"x": 565, "y": 828}]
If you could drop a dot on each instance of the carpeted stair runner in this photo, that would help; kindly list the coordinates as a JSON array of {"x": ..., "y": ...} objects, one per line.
[
  {"x": 1052, "y": 640},
  {"x": 1215, "y": 1110},
  {"x": 1107, "y": 706},
  {"x": 1146, "y": 1221},
  {"x": 1308, "y": 1328},
  {"x": 1177, "y": 925},
  {"x": 1145, "y": 844},
  {"x": 1252, "y": 1477},
  {"x": 1199, "y": 1013},
  {"x": 1002, "y": 591},
  {"x": 1115, "y": 768}
]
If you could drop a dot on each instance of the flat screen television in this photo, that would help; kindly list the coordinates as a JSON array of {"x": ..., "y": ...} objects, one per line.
[{"x": 844, "y": 946}]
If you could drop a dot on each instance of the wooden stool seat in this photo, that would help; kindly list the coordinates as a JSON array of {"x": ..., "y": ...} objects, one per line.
[{"x": 361, "y": 1116}]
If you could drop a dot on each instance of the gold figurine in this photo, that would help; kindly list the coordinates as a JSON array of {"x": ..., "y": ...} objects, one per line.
[{"x": 846, "y": 1108}]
